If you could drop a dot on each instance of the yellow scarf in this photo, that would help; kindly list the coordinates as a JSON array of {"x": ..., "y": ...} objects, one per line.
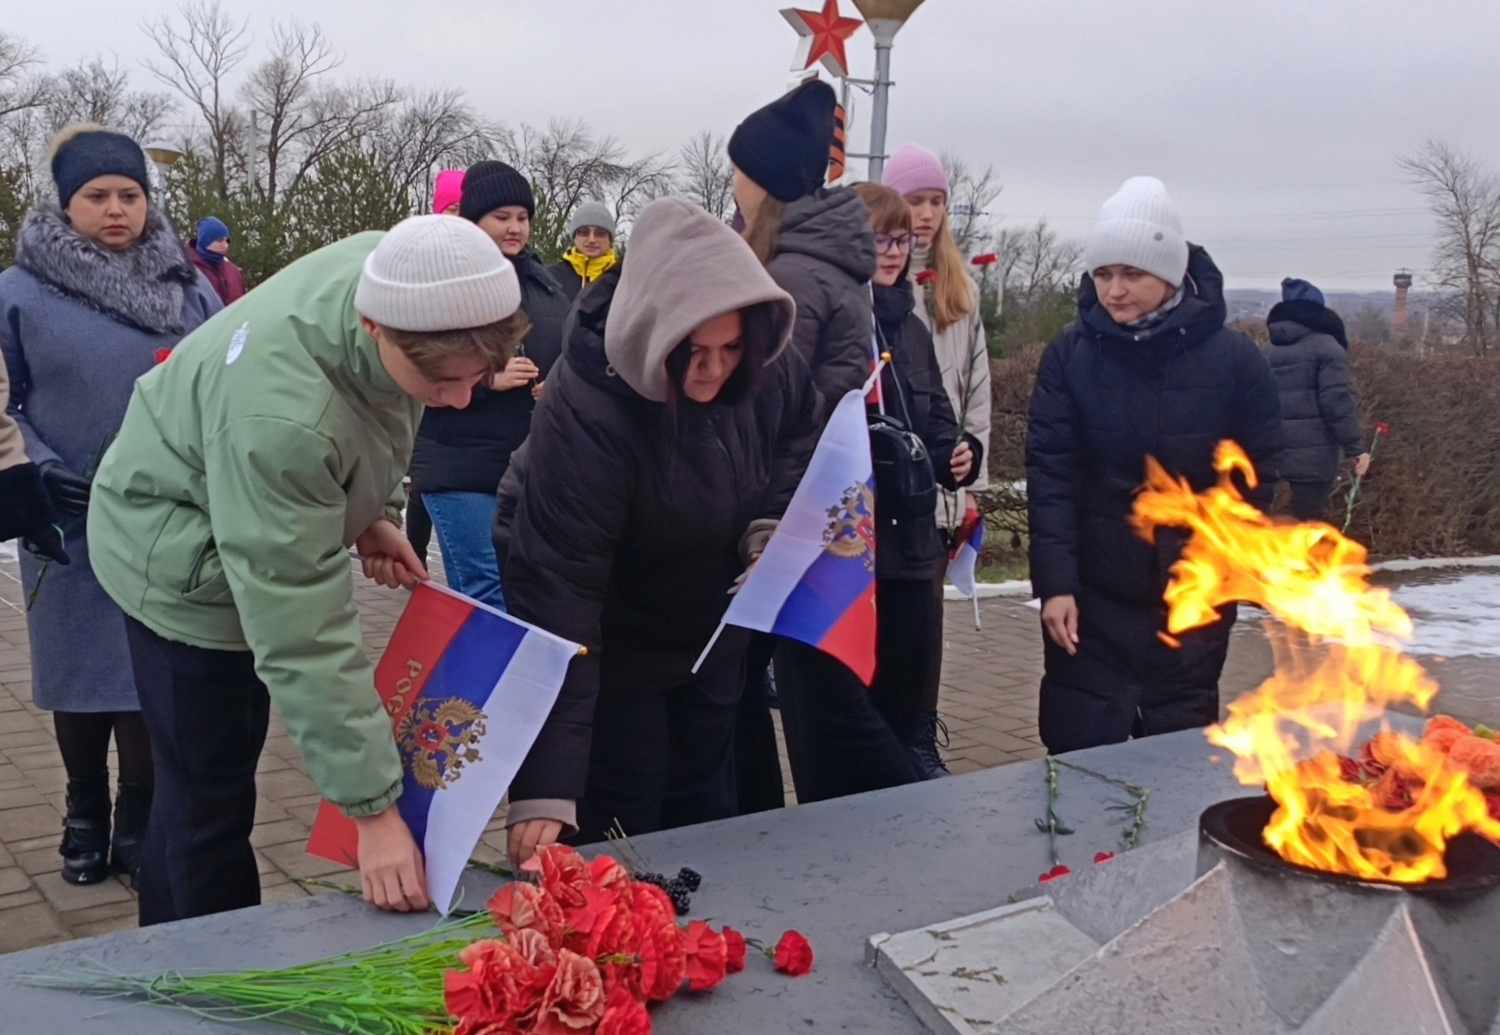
[{"x": 590, "y": 270}]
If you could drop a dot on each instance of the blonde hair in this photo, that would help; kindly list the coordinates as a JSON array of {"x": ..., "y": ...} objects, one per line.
[
  {"x": 763, "y": 233},
  {"x": 953, "y": 295}
]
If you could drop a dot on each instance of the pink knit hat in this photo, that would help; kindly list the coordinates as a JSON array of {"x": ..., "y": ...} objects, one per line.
[
  {"x": 913, "y": 168},
  {"x": 446, "y": 191}
]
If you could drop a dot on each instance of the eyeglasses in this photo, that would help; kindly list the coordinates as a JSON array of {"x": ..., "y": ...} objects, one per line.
[{"x": 904, "y": 243}]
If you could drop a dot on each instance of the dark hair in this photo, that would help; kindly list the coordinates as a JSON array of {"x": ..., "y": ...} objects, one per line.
[
  {"x": 758, "y": 341},
  {"x": 429, "y": 351}
]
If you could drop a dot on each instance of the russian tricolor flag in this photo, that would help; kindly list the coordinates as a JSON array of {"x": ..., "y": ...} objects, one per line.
[
  {"x": 969, "y": 540},
  {"x": 815, "y": 582},
  {"x": 467, "y": 688}
]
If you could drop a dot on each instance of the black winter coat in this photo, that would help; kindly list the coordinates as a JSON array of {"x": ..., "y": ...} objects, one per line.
[
  {"x": 1106, "y": 398},
  {"x": 824, "y": 260},
  {"x": 619, "y": 526},
  {"x": 567, "y": 278},
  {"x": 1309, "y": 356},
  {"x": 468, "y": 450},
  {"x": 914, "y": 549}
]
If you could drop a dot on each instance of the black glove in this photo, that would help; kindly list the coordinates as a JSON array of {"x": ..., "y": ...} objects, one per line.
[
  {"x": 69, "y": 491},
  {"x": 46, "y": 543}
]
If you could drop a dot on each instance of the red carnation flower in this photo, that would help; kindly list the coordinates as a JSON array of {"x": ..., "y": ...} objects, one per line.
[
  {"x": 926, "y": 277},
  {"x": 624, "y": 1015},
  {"x": 1053, "y": 874},
  {"x": 574, "y": 1000},
  {"x": 161, "y": 355},
  {"x": 706, "y": 956},
  {"x": 987, "y": 259},
  {"x": 734, "y": 950},
  {"x": 794, "y": 955},
  {"x": 1103, "y": 857},
  {"x": 564, "y": 875},
  {"x": 1382, "y": 428}
]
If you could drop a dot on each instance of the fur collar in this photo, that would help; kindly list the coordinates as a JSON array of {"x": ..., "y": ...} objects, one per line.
[{"x": 142, "y": 286}]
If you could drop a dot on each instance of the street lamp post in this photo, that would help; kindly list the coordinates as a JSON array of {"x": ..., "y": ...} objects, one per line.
[
  {"x": 885, "y": 18},
  {"x": 163, "y": 156}
]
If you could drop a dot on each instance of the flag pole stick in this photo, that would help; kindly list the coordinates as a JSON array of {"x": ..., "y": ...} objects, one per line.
[
  {"x": 975, "y": 598},
  {"x": 711, "y": 641}
]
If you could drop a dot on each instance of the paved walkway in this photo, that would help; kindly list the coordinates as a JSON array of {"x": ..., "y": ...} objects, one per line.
[{"x": 989, "y": 703}]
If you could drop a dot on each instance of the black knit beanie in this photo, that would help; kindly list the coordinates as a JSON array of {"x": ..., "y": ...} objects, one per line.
[
  {"x": 784, "y": 146},
  {"x": 492, "y": 185},
  {"x": 96, "y": 152}
]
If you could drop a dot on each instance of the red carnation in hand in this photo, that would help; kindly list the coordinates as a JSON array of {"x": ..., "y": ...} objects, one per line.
[
  {"x": 987, "y": 259},
  {"x": 564, "y": 875},
  {"x": 624, "y": 1015},
  {"x": 161, "y": 355},
  {"x": 926, "y": 277},
  {"x": 734, "y": 950},
  {"x": 1382, "y": 428},
  {"x": 706, "y": 956},
  {"x": 794, "y": 955}
]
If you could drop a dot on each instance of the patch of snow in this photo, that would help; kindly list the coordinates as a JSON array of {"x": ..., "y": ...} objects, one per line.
[{"x": 1456, "y": 617}]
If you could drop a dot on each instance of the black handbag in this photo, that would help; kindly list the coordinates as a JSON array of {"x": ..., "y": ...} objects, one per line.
[{"x": 905, "y": 487}]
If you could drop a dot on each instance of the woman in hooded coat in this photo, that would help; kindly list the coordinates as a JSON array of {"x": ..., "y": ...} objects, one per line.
[
  {"x": 817, "y": 244},
  {"x": 674, "y": 431},
  {"x": 1147, "y": 370},
  {"x": 101, "y": 285}
]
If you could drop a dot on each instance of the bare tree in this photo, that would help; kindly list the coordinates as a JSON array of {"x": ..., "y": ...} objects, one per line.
[
  {"x": 705, "y": 176},
  {"x": 195, "y": 59},
  {"x": 280, "y": 90},
  {"x": 92, "y": 91},
  {"x": 19, "y": 89},
  {"x": 427, "y": 131},
  {"x": 972, "y": 195},
  {"x": 1465, "y": 201},
  {"x": 1035, "y": 263}
]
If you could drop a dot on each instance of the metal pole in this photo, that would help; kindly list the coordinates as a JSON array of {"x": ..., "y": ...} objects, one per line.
[
  {"x": 884, "y": 31},
  {"x": 253, "y": 156}
]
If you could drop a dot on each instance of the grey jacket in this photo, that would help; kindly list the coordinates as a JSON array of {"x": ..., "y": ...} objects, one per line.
[
  {"x": 1318, "y": 415},
  {"x": 78, "y": 324}
]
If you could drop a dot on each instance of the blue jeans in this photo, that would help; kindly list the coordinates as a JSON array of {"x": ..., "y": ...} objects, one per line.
[{"x": 462, "y": 521}]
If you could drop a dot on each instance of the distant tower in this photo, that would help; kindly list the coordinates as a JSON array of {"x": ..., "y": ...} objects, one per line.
[{"x": 1398, "y": 318}]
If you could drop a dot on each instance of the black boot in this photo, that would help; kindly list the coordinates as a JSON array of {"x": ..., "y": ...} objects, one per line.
[
  {"x": 85, "y": 843},
  {"x": 132, "y": 812},
  {"x": 924, "y": 747}
]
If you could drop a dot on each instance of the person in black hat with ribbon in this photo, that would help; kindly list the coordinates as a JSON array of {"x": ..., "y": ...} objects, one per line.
[
  {"x": 817, "y": 244},
  {"x": 461, "y": 455}
]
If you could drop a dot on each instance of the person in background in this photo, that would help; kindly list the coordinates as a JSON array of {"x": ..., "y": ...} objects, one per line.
[
  {"x": 210, "y": 254},
  {"x": 659, "y": 464},
  {"x": 949, "y": 308},
  {"x": 447, "y": 190},
  {"x": 101, "y": 284},
  {"x": 843, "y": 737},
  {"x": 816, "y": 243},
  {"x": 1148, "y": 369},
  {"x": 592, "y": 228},
  {"x": 1309, "y": 354},
  {"x": 461, "y": 455},
  {"x": 26, "y": 509},
  {"x": 273, "y": 440}
]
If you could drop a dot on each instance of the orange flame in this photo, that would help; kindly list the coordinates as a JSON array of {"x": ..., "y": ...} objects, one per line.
[{"x": 1337, "y": 668}]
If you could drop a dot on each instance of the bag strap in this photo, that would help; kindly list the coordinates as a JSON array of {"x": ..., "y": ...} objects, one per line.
[{"x": 895, "y": 379}]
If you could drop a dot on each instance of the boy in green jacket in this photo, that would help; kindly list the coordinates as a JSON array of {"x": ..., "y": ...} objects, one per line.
[{"x": 274, "y": 438}]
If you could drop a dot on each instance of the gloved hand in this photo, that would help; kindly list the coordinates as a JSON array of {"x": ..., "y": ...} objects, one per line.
[
  {"x": 69, "y": 491},
  {"x": 46, "y": 543}
]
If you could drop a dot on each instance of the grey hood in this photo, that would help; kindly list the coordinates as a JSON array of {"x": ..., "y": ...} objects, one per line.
[{"x": 683, "y": 267}]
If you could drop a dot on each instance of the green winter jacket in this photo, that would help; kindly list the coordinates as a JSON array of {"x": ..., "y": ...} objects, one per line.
[{"x": 248, "y": 463}]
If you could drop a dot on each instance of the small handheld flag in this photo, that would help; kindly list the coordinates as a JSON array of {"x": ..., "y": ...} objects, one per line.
[
  {"x": 467, "y": 689},
  {"x": 962, "y": 560},
  {"x": 815, "y": 582}
]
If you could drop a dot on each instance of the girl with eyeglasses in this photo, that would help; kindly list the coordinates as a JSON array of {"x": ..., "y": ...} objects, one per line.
[{"x": 844, "y": 738}]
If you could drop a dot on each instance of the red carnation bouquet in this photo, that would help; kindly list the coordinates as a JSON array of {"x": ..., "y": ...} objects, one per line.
[{"x": 583, "y": 950}]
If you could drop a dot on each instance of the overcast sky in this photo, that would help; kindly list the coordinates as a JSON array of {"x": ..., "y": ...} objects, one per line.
[{"x": 1275, "y": 123}]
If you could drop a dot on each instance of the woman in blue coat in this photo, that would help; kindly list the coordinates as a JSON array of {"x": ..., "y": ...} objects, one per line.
[{"x": 100, "y": 284}]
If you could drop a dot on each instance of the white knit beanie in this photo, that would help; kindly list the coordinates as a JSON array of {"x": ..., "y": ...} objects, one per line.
[
  {"x": 437, "y": 273},
  {"x": 1141, "y": 227}
]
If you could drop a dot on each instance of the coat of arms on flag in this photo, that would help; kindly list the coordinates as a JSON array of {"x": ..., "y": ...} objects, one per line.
[
  {"x": 467, "y": 689},
  {"x": 815, "y": 582}
]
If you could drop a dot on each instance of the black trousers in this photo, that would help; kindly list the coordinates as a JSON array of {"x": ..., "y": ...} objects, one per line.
[
  {"x": 757, "y": 763},
  {"x": 843, "y": 737},
  {"x": 207, "y": 714},
  {"x": 418, "y": 525},
  {"x": 663, "y": 759},
  {"x": 1125, "y": 681},
  {"x": 1310, "y": 500}
]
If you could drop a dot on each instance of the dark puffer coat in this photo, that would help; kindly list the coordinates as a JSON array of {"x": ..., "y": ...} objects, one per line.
[
  {"x": 914, "y": 549},
  {"x": 1106, "y": 398},
  {"x": 824, "y": 260},
  {"x": 1309, "y": 356},
  {"x": 621, "y": 521},
  {"x": 468, "y": 450}
]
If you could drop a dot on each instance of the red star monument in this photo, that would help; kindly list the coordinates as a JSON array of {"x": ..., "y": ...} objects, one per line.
[{"x": 823, "y": 34}]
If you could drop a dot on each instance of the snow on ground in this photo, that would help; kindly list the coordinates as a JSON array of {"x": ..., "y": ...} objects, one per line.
[{"x": 1456, "y": 615}]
